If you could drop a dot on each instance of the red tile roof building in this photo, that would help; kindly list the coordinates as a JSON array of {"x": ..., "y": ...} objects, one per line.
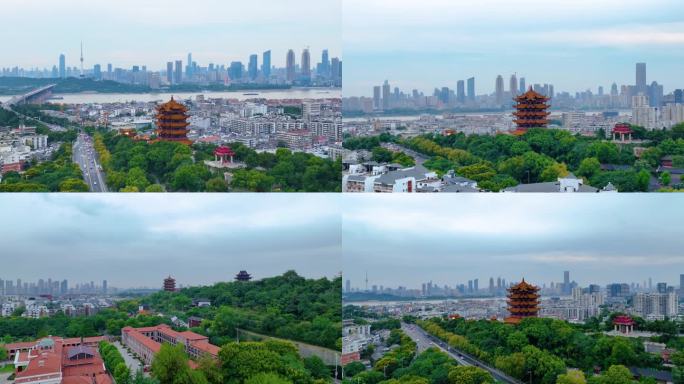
[
  {"x": 146, "y": 342},
  {"x": 54, "y": 360}
]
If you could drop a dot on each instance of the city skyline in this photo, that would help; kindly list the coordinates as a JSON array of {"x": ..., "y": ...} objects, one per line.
[
  {"x": 142, "y": 33},
  {"x": 426, "y": 45},
  {"x": 406, "y": 242},
  {"x": 135, "y": 241}
]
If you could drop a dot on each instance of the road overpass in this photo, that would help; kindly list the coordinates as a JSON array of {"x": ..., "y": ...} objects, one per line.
[{"x": 36, "y": 96}]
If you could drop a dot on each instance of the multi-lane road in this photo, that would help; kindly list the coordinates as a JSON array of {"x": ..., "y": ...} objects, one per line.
[
  {"x": 424, "y": 341},
  {"x": 86, "y": 158}
]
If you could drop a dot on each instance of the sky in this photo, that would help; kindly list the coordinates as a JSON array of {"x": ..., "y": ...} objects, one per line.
[
  {"x": 152, "y": 32},
  {"x": 403, "y": 240},
  {"x": 199, "y": 239},
  {"x": 573, "y": 44}
]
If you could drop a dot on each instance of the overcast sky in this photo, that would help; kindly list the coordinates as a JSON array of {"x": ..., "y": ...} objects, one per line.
[
  {"x": 152, "y": 32},
  {"x": 407, "y": 240},
  {"x": 137, "y": 240},
  {"x": 573, "y": 44}
]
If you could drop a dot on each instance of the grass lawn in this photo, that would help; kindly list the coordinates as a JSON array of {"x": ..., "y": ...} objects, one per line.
[{"x": 7, "y": 368}]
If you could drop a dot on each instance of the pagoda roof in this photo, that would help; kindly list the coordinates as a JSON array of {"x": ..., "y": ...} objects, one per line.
[
  {"x": 622, "y": 128},
  {"x": 531, "y": 95},
  {"x": 523, "y": 286},
  {"x": 224, "y": 150},
  {"x": 172, "y": 105},
  {"x": 623, "y": 320}
]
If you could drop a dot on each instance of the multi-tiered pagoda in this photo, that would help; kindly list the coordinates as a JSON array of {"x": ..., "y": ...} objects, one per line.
[
  {"x": 243, "y": 276},
  {"x": 170, "y": 284},
  {"x": 172, "y": 122},
  {"x": 531, "y": 110},
  {"x": 523, "y": 301}
]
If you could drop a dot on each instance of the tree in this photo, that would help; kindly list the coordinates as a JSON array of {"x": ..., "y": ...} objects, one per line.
[
  {"x": 574, "y": 376},
  {"x": 469, "y": 375},
  {"x": 589, "y": 167},
  {"x": 136, "y": 178},
  {"x": 189, "y": 178},
  {"x": 317, "y": 367},
  {"x": 122, "y": 374},
  {"x": 170, "y": 364},
  {"x": 353, "y": 368},
  {"x": 267, "y": 378},
  {"x": 73, "y": 185},
  {"x": 617, "y": 374},
  {"x": 665, "y": 178},
  {"x": 216, "y": 184},
  {"x": 154, "y": 188},
  {"x": 3, "y": 353}
]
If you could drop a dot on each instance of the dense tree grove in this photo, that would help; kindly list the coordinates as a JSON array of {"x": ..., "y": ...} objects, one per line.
[
  {"x": 60, "y": 174},
  {"x": 287, "y": 306},
  {"x": 106, "y": 321},
  {"x": 542, "y": 349},
  {"x": 402, "y": 365},
  {"x": 265, "y": 362},
  {"x": 541, "y": 155},
  {"x": 140, "y": 166}
]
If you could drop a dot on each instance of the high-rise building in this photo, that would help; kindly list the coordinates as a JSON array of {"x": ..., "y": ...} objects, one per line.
[
  {"x": 290, "y": 66},
  {"x": 178, "y": 78},
  {"x": 188, "y": 68},
  {"x": 62, "y": 66},
  {"x": 266, "y": 64},
  {"x": 253, "y": 67},
  {"x": 104, "y": 286},
  {"x": 347, "y": 286},
  {"x": 499, "y": 90},
  {"x": 97, "y": 72},
  {"x": 306, "y": 65},
  {"x": 235, "y": 71},
  {"x": 336, "y": 71},
  {"x": 377, "y": 98},
  {"x": 460, "y": 91},
  {"x": 513, "y": 84},
  {"x": 522, "y": 88},
  {"x": 169, "y": 72},
  {"x": 471, "y": 88},
  {"x": 566, "y": 282},
  {"x": 386, "y": 96},
  {"x": 325, "y": 63},
  {"x": 640, "y": 78}
]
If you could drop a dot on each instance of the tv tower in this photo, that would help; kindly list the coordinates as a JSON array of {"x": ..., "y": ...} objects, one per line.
[{"x": 82, "y": 75}]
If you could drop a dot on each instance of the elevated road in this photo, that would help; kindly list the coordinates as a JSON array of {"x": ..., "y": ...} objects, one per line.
[
  {"x": 424, "y": 341},
  {"x": 85, "y": 156}
]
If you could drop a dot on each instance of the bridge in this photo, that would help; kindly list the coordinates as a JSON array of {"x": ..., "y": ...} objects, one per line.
[{"x": 36, "y": 96}]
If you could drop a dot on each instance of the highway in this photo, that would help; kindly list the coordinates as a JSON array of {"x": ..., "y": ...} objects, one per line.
[
  {"x": 424, "y": 341},
  {"x": 85, "y": 156}
]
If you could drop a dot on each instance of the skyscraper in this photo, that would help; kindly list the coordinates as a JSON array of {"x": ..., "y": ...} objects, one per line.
[
  {"x": 188, "y": 69},
  {"x": 514, "y": 85},
  {"x": 376, "y": 97},
  {"x": 62, "y": 66},
  {"x": 266, "y": 64},
  {"x": 641, "y": 78},
  {"x": 336, "y": 71},
  {"x": 169, "y": 72},
  {"x": 104, "y": 286},
  {"x": 460, "y": 91},
  {"x": 290, "y": 65},
  {"x": 235, "y": 71},
  {"x": 306, "y": 65},
  {"x": 566, "y": 282},
  {"x": 347, "y": 286},
  {"x": 97, "y": 72},
  {"x": 253, "y": 67},
  {"x": 385, "y": 95},
  {"x": 325, "y": 63},
  {"x": 471, "y": 89},
  {"x": 522, "y": 88},
  {"x": 179, "y": 72},
  {"x": 499, "y": 90}
]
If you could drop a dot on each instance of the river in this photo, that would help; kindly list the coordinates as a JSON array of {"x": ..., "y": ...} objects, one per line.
[{"x": 293, "y": 93}]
